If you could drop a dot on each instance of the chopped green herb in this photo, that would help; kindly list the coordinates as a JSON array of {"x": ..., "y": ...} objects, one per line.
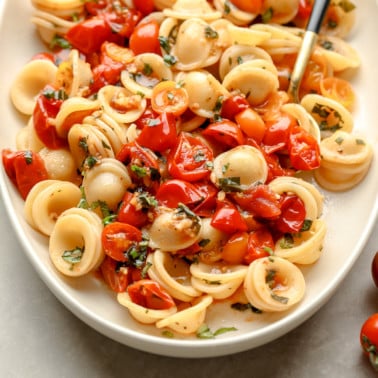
[
  {"x": 28, "y": 155},
  {"x": 139, "y": 171},
  {"x": 164, "y": 44},
  {"x": 267, "y": 15},
  {"x": 73, "y": 256},
  {"x": 339, "y": 140},
  {"x": 145, "y": 269},
  {"x": 204, "y": 242},
  {"x": 225, "y": 168},
  {"x": 306, "y": 225},
  {"x": 244, "y": 307},
  {"x": 169, "y": 60},
  {"x": 227, "y": 7},
  {"x": 168, "y": 334},
  {"x": 52, "y": 94},
  {"x": 229, "y": 184},
  {"x": 147, "y": 69},
  {"x": 204, "y": 331},
  {"x": 328, "y": 45},
  {"x": 287, "y": 241},
  {"x": 239, "y": 60},
  {"x": 59, "y": 41},
  {"x": 210, "y": 33},
  {"x": 360, "y": 142},
  {"x": 278, "y": 298},
  {"x": 146, "y": 200},
  {"x": 346, "y": 6}
]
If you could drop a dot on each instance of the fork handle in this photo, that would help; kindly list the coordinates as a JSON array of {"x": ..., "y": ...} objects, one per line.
[{"x": 318, "y": 12}]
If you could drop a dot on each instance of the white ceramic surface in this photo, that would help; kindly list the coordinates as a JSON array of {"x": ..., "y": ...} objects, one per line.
[{"x": 350, "y": 217}]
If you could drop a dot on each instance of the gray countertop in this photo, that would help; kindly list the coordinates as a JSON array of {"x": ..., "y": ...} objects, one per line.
[{"x": 39, "y": 337}]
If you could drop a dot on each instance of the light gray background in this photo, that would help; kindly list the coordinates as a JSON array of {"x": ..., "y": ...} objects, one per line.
[{"x": 40, "y": 338}]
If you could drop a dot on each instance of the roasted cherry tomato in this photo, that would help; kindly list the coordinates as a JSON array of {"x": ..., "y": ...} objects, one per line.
[
  {"x": 47, "y": 107},
  {"x": 173, "y": 192},
  {"x": 94, "y": 7},
  {"x": 304, "y": 9},
  {"x": 293, "y": 214},
  {"x": 159, "y": 134},
  {"x": 234, "y": 250},
  {"x": 304, "y": 150},
  {"x": 123, "y": 22},
  {"x": 24, "y": 169},
  {"x": 374, "y": 269},
  {"x": 227, "y": 218},
  {"x": 225, "y": 132},
  {"x": 251, "y": 124},
  {"x": 369, "y": 339},
  {"x": 150, "y": 294},
  {"x": 250, "y": 6},
  {"x": 145, "y": 38},
  {"x": 338, "y": 89},
  {"x": 260, "y": 244},
  {"x": 115, "y": 275},
  {"x": 189, "y": 159},
  {"x": 117, "y": 238},
  {"x": 259, "y": 200},
  {"x": 168, "y": 96},
  {"x": 144, "y": 6},
  {"x": 208, "y": 201},
  {"x": 132, "y": 212},
  {"x": 233, "y": 105}
]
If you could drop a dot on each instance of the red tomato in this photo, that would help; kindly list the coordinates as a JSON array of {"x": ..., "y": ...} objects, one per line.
[
  {"x": 374, "y": 269},
  {"x": 46, "y": 109},
  {"x": 304, "y": 9},
  {"x": 209, "y": 199},
  {"x": 144, "y": 6},
  {"x": 275, "y": 169},
  {"x": 117, "y": 238},
  {"x": 159, "y": 134},
  {"x": 251, "y": 124},
  {"x": 227, "y": 218},
  {"x": 259, "y": 200},
  {"x": 189, "y": 159},
  {"x": 260, "y": 243},
  {"x": 44, "y": 56},
  {"x": 150, "y": 294},
  {"x": 234, "y": 250},
  {"x": 145, "y": 119},
  {"x": 293, "y": 214},
  {"x": 122, "y": 22},
  {"x": 225, "y": 132},
  {"x": 250, "y": 6},
  {"x": 24, "y": 169},
  {"x": 303, "y": 149},
  {"x": 369, "y": 339},
  {"x": 114, "y": 275},
  {"x": 233, "y": 105},
  {"x": 173, "y": 192},
  {"x": 145, "y": 38},
  {"x": 95, "y": 7},
  {"x": 130, "y": 214}
]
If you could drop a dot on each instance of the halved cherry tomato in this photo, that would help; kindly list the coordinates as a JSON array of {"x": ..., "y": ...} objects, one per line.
[
  {"x": 225, "y": 132},
  {"x": 227, "y": 218},
  {"x": 189, "y": 159},
  {"x": 145, "y": 38},
  {"x": 24, "y": 169},
  {"x": 173, "y": 192},
  {"x": 167, "y": 96},
  {"x": 159, "y": 134},
  {"x": 260, "y": 243},
  {"x": 150, "y": 294},
  {"x": 304, "y": 9},
  {"x": 316, "y": 70},
  {"x": 233, "y": 105},
  {"x": 144, "y": 6},
  {"x": 304, "y": 150},
  {"x": 234, "y": 250},
  {"x": 369, "y": 339},
  {"x": 117, "y": 238},
  {"x": 122, "y": 22},
  {"x": 95, "y": 7},
  {"x": 129, "y": 213},
  {"x": 46, "y": 109},
  {"x": 293, "y": 214},
  {"x": 250, "y": 6},
  {"x": 209, "y": 199},
  {"x": 251, "y": 124},
  {"x": 260, "y": 200},
  {"x": 338, "y": 89},
  {"x": 114, "y": 274}
]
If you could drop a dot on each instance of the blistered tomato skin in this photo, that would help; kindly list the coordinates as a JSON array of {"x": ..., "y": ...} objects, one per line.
[{"x": 374, "y": 269}]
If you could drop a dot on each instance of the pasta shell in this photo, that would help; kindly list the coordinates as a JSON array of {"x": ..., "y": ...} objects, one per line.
[
  {"x": 281, "y": 11},
  {"x": 234, "y": 14},
  {"x": 27, "y": 138},
  {"x": 29, "y": 83},
  {"x": 63, "y": 8},
  {"x": 186, "y": 9},
  {"x": 274, "y": 284}
]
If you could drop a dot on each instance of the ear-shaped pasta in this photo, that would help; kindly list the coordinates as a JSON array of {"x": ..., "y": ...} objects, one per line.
[
  {"x": 340, "y": 54},
  {"x": 281, "y": 11},
  {"x": 304, "y": 247},
  {"x": 75, "y": 242},
  {"x": 47, "y": 200},
  {"x": 142, "y": 314},
  {"x": 73, "y": 108},
  {"x": 61, "y": 8},
  {"x": 190, "y": 319},
  {"x": 187, "y": 9},
  {"x": 203, "y": 102},
  {"x": 60, "y": 164},
  {"x": 173, "y": 230},
  {"x": 274, "y": 284},
  {"x": 27, "y": 138},
  {"x": 49, "y": 25},
  {"x": 345, "y": 16},
  {"x": 106, "y": 181},
  {"x": 173, "y": 274},
  {"x": 29, "y": 82},
  {"x": 329, "y": 114},
  {"x": 245, "y": 36},
  {"x": 147, "y": 70},
  {"x": 233, "y": 14},
  {"x": 238, "y": 54},
  {"x": 218, "y": 280},
  {"x": 346, "y": 159},
  {"x": 308, "y": 193},
  {"x": 242, "y": 166},
  {"x": 212, "y": 237},
  {"x": 257, "y": 79},
  {"x": 74, "y": 75},
  {"x": 162, "y": 4}
]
